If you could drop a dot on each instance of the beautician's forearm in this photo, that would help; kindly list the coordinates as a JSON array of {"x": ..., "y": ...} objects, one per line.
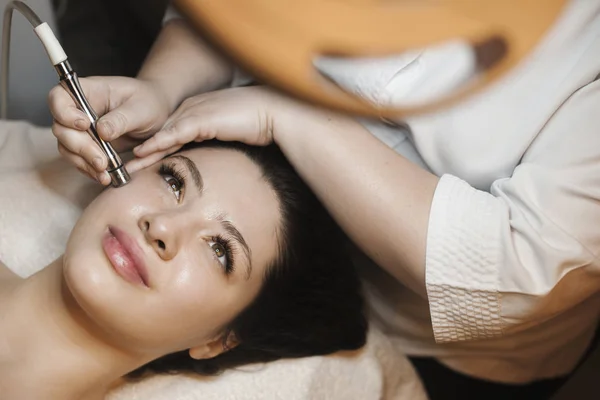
[
  {"x": 378, "y": 197},
  {"x": 183, "y": 65}
]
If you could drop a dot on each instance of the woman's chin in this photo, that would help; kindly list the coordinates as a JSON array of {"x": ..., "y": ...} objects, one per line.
[
  {"x": 95, "y": 291},
  {"x": 109, "y": 303}
]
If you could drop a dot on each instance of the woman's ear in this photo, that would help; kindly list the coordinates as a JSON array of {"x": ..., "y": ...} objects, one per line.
[{"x": 214, "y": 347}]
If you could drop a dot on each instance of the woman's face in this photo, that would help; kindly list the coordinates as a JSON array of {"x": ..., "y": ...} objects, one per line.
[{"x": 166, "y": 262}]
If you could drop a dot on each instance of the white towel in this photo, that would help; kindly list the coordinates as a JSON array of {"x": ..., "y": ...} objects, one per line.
[{"x": 41, "y": 197}]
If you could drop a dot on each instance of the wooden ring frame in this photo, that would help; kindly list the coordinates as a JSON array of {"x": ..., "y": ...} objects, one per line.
[{"x": 277, "y": 40}]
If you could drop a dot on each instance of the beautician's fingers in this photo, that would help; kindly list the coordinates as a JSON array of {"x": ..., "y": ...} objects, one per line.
[
  {"x": 134, "y": 117},
  {"x": 140, "y": 163},
  {"x": 83, "y": 166},
  {"x": 176, "y": 133},
  {"x": 80, "y": 144},
  {"x": 239, "y": 114},
  {"x": 127, "y": 106},
  {"x": 101, "y": 178},
  {"x": 65, "y": 111},
  {"x": 78, "y": 162},
  {"x": 139, "y": 110},
  {"x": 182, "y": 127}
]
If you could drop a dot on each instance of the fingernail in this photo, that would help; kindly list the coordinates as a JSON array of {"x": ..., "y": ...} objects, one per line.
[
  {"x": 80, "y": 124},
  {"x": 98, "y": 163},
  {"x": 137, "y": 148}
]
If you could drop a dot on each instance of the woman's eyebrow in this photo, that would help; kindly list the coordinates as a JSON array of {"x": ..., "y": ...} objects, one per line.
[
  {"x": 237, "y": 236},
  {"x": 193, "y": 170}
]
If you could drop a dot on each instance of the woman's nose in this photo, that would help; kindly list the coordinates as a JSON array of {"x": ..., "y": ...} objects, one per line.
[{"x": 160, "y": 233}]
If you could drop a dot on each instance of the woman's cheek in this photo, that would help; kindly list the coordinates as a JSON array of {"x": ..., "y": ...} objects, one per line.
[
  {"x": 203, "y": 299},
  {"x": 194, "y": 302},
  {"x": 194, "y": 278}
]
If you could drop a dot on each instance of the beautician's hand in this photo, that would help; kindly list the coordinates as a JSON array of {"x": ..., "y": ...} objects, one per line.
[
  {"x": 249, "y": 115},
  {"x": 132, "y": 110}
]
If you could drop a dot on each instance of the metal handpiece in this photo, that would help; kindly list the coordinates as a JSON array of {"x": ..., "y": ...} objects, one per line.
[{"x": 69, "y": 81}]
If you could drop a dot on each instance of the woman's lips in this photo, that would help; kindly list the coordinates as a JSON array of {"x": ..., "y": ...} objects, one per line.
[{"x": 125, "y": 255}]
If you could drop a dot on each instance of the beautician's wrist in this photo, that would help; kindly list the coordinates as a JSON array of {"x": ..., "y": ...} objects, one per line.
[
  {"x": 162, "y": 92},
  {"x": 290, "y": 118},
  {"x": 298, "y": 122},
  {"x": 175, "y": 97}
]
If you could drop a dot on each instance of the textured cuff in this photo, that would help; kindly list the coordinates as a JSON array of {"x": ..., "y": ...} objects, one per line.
[{"x": 463, "y": 256}]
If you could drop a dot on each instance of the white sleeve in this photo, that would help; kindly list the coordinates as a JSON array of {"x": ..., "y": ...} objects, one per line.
[
  {"x": 528, "y": 250},
  {"x": 240, "y": 77}
]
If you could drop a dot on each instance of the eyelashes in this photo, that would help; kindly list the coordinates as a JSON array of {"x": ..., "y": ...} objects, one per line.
[
  {"x": 225, "y": 243},
  {"x": 174, "y": 176}
]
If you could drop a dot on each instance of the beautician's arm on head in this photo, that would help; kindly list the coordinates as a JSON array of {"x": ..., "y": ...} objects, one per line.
[
  {"x": 180, "y": 64},
  {"x": 379, "y": 198},
  {"x": 489, "y": 263}
]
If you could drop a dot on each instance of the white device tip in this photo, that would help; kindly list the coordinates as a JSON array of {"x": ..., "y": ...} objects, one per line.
[{"x": 51, "y": 44}]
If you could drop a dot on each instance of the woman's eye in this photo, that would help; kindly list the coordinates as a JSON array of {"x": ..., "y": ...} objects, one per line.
[
  {"x": 174, "y": 184},
  {"x": 220, "y": 252}
]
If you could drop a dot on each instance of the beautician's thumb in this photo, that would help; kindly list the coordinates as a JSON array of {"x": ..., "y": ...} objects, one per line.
[
  {"x": 127, "y": 118},
  {"x": 115, "y": 123}
]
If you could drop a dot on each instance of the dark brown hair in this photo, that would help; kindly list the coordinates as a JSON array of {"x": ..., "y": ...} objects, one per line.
[{"x": 310, "y": 302}]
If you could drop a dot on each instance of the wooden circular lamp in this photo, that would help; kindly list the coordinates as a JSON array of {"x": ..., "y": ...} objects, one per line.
[{"x": 277, "y": 40}]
